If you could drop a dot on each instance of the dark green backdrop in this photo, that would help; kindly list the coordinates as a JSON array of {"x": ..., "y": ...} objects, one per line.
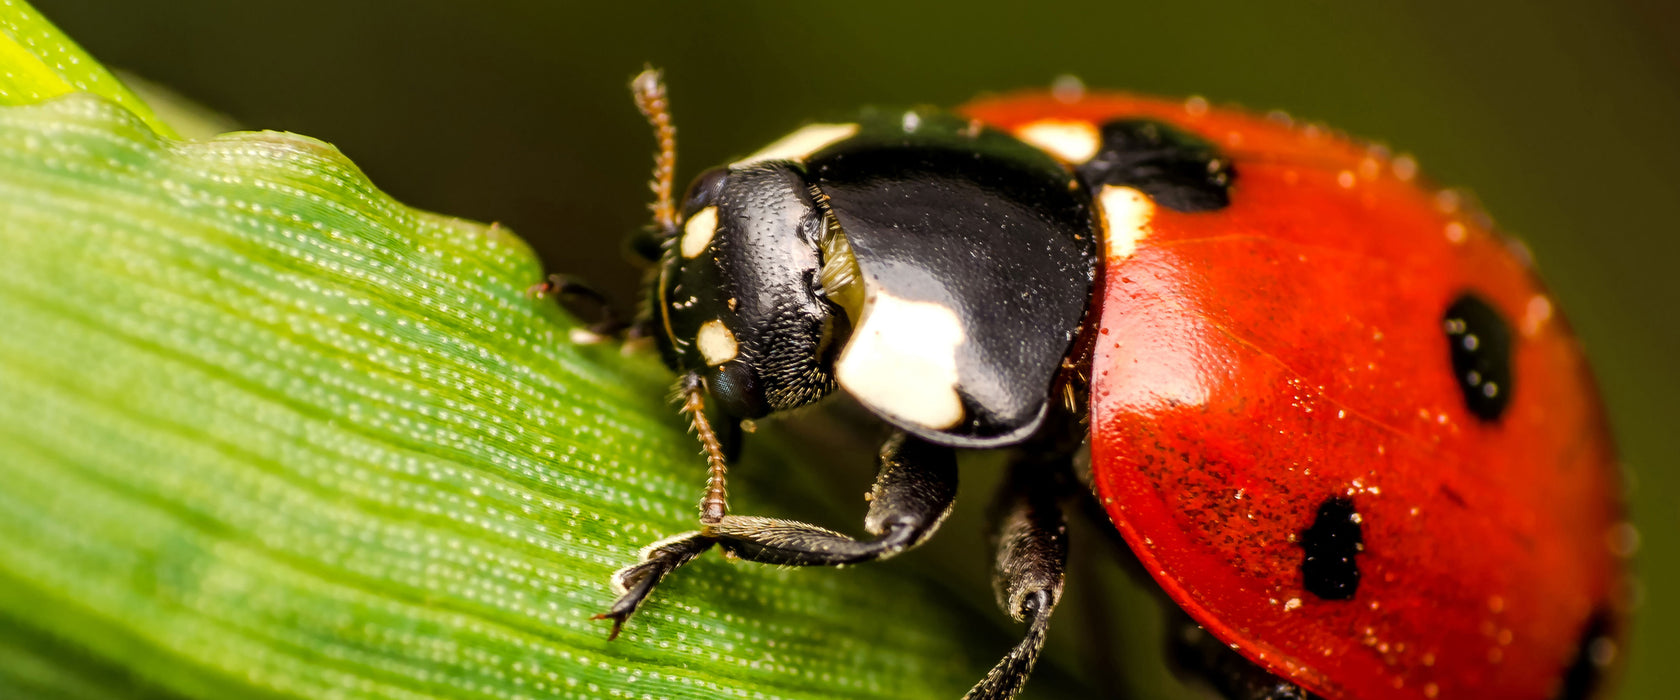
[{"x": 1561, "y": 118}]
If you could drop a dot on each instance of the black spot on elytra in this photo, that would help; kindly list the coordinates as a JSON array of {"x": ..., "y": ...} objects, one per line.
[
  {"x": 1335, "y": 538},
  {"x": 1480, "y": 342},
  {"x": 1584, "y": 675},
  {"x": 1177, "y": 169}
]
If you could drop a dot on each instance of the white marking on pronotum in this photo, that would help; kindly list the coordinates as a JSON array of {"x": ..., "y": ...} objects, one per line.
[
  {"x": 717, "y": 344},
  {"x": 800, "y": 144},
  {"x": 902, "y": 361},
  {"x": 1125, "y": 218},
  {"x": 1071, "y": 141},
  {"x": 698, "y": 231}
]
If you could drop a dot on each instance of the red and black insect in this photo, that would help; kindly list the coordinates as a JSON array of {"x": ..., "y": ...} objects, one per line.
[{"x": 1334, "y": 415}]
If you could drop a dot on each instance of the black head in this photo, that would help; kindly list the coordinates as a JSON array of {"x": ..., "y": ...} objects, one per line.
[{"x": 739, "y": 298}]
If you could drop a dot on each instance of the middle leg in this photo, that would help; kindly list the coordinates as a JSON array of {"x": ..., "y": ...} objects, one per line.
[{"x": 1031, "y": 536}]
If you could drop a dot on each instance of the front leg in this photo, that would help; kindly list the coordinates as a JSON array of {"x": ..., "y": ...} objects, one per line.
[
  {"x": 914, "y": 489},
  {"x": 915, "y": 485}
]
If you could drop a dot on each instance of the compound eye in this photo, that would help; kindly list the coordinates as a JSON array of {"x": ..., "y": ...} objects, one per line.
[
  {"x": 734, "y": 386},
  {"x": 703, "y": 192}
]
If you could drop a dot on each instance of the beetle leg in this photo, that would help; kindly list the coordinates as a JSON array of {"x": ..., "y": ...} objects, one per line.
[
  {"x": 568, "y": 288},
  {"x": 648, "y": 245},
  {"x": 633, "y": 583},
  {"x": 914, "y": 489},
  {"x": 1203, "y": 657},
  {"x": 1031, "y": 536},
  {"x": 913, "y": 492}
]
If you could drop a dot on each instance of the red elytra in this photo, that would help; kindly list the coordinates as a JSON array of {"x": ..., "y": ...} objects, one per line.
[{"x": 1252, "y": 362}]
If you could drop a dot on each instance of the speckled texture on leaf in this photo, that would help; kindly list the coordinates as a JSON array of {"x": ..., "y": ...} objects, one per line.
[
  {"x": 38, "y": 62},
  {"x": 268, "y": 433}
]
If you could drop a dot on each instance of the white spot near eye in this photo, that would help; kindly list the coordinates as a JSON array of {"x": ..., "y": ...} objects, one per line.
[
  {"x": 698, "y": 231},
  {"x": 902, "y": 361},
  {"x": 717, "y": 344},
  {"x": 1125, "y": 217},
  {"x": 800, "y": 144},
  {"x": 1071, "y": 141}
]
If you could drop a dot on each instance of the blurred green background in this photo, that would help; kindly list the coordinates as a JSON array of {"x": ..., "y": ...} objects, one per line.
[{"x": 1559, "y": 116}]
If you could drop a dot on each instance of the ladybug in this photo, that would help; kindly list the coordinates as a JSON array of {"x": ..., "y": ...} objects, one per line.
[{"x": 1332, "y": 413}]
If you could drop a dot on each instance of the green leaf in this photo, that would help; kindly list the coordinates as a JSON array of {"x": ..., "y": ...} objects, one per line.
[
  {"x": 268, "y": 433},
  {"x": 38, "y": 62}
]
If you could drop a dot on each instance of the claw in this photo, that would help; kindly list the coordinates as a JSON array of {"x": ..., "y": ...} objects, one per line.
[
  {"x": 635, "y": 582},
  {"x": 617, "y": 625}
]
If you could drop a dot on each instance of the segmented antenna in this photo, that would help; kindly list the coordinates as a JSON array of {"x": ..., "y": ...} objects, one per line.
[{"x": 649, "y": 90}]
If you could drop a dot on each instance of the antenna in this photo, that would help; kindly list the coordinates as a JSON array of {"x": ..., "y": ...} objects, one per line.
[{"x": 649, "y": 90}]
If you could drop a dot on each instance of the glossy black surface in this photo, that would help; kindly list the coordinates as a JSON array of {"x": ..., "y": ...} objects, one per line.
[
  {"x": 1177, "y": 169},
  {"x": 984, "y": 225}
]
